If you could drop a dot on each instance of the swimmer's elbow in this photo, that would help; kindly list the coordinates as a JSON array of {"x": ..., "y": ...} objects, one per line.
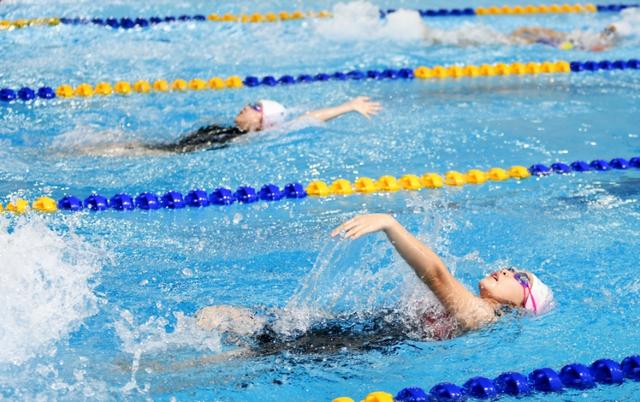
[{"x": 438, "y": 273}]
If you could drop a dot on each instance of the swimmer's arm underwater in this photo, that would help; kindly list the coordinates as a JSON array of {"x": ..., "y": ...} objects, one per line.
[
  {"x": 361, "y": 104},
  {"x": 457, "y": 300}
]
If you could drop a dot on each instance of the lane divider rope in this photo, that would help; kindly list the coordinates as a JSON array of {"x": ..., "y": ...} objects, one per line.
[
  {"x": 543, "y": 380},
  {"x": 143, "y": 22},
  {"x": 340, "y": 187},
  {"x": 86, "y": 90}
]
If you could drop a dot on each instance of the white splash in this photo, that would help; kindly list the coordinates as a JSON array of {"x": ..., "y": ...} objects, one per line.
[
  {"x": 91, "y": 141},
  {"x": 361, "y": 277},
  {"x": 360, "y": 20},
  {"x": 151, "y": 337},
  {"x": 45, "y": 291},
  {"x": 629, "y": 24},
  {"x": 465, "y": 34}
]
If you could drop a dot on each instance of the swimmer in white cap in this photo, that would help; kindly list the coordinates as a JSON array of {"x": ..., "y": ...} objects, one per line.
[
  {"x": 506, "y": 288},
  {"x": 254, "y": 117},
  {"x": 266, "y": 114},
  {"x": 259, "y": 116}
]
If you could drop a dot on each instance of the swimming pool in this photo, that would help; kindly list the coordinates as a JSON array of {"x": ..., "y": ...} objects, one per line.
[{"x": 97, "y": 305}]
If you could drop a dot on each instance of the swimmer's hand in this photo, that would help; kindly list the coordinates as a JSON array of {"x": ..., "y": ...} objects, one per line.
[
  {"x": 361, "y": 104},
  {"x": 364, "y": 224},
  {"x": 364, "y": 106}
]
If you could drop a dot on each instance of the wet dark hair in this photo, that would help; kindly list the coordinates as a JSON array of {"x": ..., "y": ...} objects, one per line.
[{"x": 203, "y": 139}]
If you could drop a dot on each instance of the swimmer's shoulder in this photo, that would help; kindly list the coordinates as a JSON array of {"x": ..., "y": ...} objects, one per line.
[{"x": 476, "y": 315}]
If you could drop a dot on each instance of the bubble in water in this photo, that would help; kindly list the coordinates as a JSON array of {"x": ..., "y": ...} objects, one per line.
[{"x": 237, "y": 218}]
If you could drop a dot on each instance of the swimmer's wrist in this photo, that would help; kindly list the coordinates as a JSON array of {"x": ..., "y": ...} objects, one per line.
[
  {"x": 347, "y": 107},
  {"x": 390, "y": 223}
]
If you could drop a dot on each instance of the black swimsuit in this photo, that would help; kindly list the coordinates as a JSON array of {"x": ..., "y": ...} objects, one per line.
[
  {"x": 378, "y": 332},
  {"x": 204, "y": 139}
]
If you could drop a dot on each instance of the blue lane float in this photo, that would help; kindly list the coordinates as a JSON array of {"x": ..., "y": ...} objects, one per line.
[
  {"x": 147, "y": 201},
  {"x": 544, "y": 380},
  {"x": 26, "y": 94},
  {"x": 271, "y": 192},
  {"x": 175, "y": 200},
  {"x": 197, "y": 198}
]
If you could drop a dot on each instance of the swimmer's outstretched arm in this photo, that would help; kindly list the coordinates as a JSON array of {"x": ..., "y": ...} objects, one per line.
[
  {"x": 468, "y": 309},
  {"x": 361, "y": 104}
]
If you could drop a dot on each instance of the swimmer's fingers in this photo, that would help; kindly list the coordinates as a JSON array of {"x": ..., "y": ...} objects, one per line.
[
  {"x": 359, "y": 231},
  {"x": 363, "y": 224},
  {"x": 357, "y": 227},
  {"x": 373, "y": 109},
  {"x": 368, "y": 109},
  {"x": 346, "y": 226},
  {"x": 341, "y": 228}
]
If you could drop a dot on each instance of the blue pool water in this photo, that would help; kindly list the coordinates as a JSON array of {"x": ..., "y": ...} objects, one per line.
[{"x": 99, "y": 306}]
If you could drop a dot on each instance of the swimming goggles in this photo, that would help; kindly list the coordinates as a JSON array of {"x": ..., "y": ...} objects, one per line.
[
  {"x": 609, "y": 31},
  {"x": 523, "y": 280},
  {"x": 256, "y": 106}
]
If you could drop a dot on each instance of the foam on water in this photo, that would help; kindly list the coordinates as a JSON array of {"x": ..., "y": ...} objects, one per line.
[
  {"x": 629, "y": 23},
  {"x": 88, "y": 140},
  {"x": 465, "y": 34},
  {"x": 46, "y": 288},
  {"x": 152, "y": 337},
  {"x": 360, "y": 20}
]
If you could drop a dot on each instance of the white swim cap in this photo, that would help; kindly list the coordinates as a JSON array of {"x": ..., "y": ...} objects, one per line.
[
  {"x": 540, "y": 298},
  {"x": 273, "y": 113}
]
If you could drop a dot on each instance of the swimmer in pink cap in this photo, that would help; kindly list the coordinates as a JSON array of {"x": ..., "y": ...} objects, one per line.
[{"x": 507, "y": 287}]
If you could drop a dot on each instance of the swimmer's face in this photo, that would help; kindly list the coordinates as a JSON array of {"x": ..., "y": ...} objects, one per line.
[
  {"x": 610, "y": 33},
  {"x": 249, "y": 119},
  {"x": 503, "y": 287},
  {"x": 608, "y": 38}
]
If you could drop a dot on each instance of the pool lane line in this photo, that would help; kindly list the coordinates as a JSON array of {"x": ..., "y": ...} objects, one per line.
[
  {"x": 514, "y": 384},
  {"x": 144, "y": 22},
  {"x": 340, "y": 187},
  {"x": 270, "y": 17},
  {"x": 124, "y": 88}
]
